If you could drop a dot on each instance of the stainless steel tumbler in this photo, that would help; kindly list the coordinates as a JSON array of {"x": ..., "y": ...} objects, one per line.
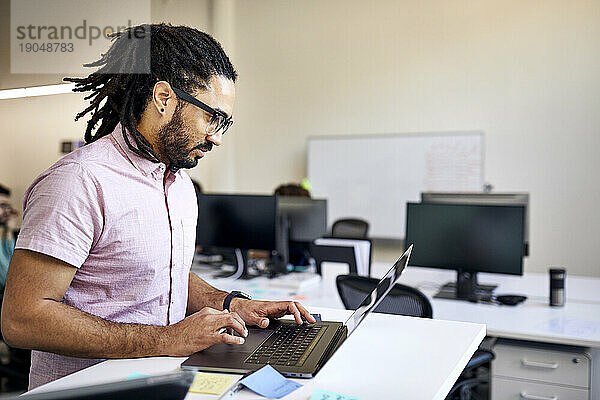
[{"x": 557, "y": 286}]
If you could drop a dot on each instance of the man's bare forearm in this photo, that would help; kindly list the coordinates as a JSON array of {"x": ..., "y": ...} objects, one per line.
[
  {"x": 201, "y": 294},
  {"x": 62, "y": 329}
]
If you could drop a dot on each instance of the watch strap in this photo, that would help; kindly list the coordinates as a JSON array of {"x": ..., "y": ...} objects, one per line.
[{"x": 231, "y": 296}]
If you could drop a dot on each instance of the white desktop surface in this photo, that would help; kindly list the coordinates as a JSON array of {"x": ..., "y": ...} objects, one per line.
[
  {"x": 388, "y": 356},
  {"x": 577, "y": 323}
]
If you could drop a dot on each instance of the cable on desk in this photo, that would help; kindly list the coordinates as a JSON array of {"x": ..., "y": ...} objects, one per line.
[{"x": 240, "y": 266}]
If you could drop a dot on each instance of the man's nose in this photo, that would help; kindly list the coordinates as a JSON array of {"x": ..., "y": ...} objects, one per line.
[{"x": 215, "y": 139}]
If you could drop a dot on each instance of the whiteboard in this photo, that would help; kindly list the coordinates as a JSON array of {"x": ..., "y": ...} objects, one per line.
[{"x": 373, "y": 177}]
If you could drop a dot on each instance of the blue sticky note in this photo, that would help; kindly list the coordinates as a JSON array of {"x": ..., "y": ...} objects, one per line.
[
  {"x": 320, "y": 394},
  {"x": 136, "y": 375},
  {"x": 269, "y": 383}
]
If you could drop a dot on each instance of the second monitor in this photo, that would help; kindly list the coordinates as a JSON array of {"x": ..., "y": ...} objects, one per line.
[
  {"x": 307, "y": 217},
  {"x": 243, "y": 222},
  {"x": 467, "y": 238},
  {"x": 282, "y": 225},
  {"x": 307, "y": 221}
]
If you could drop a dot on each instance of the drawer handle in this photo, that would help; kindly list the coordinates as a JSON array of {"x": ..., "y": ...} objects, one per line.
[
  {"x": 537, "y": 364},
  {"x": 526, "y": 396}
]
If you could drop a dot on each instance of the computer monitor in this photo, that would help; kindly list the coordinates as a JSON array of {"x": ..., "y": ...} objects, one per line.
[
  {"x": 244, "y": 222},
  {"x": 508, "y": 199},
  {"x": 307, "y": 221},
  {"x": 468, "y": 238},
  {"x": 307, "y": 217}
]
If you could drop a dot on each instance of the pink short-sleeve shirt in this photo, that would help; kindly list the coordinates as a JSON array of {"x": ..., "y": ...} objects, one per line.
[{"x": 129, "y": 227}]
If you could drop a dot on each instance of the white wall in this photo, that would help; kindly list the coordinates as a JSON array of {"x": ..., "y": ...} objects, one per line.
[{"x": 527, "y": 73}]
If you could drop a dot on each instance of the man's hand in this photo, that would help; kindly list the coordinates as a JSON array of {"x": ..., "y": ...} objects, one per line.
[
  {"x": 201, "y": 330},
  {"x": 257, "y": 313}
]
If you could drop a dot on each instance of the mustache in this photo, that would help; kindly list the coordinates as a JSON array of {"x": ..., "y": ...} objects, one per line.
[{"x": 204, "y": 147}]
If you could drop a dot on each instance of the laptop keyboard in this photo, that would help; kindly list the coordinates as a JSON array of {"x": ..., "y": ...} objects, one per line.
[{"x": 289, "y": 345}]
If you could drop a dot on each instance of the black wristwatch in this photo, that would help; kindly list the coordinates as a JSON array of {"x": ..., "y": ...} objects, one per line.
[{"x": 230, "y": 296}]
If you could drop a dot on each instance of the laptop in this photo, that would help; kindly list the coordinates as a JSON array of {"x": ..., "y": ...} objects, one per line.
[{"x": 294, "y": 350}]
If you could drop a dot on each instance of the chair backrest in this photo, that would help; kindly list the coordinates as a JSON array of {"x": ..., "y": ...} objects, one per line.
[
  {"x": 401, "y": 300},
  {"x": 350, "y": 228}
]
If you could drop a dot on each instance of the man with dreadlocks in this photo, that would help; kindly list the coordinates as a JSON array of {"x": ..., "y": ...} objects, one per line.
[{"x": 102, "y": 263}]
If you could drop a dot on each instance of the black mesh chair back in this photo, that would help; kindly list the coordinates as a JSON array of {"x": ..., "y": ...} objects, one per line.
[
  {"x": 401, "y": 300},
  {"x": 350, "y": 228}
]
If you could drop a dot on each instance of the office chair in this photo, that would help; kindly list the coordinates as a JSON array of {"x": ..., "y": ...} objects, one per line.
[
  {"x": 405, "y": 300},
  {"x": 402, "y": 300},
  {"x": 350, "y": 228}
]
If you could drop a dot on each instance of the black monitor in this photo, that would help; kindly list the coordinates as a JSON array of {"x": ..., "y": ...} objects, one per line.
[
  {"x": 507, "y": 199},
  {"x": 468, "y": 238},
  {"x": 307, "y": 217},
  {"x": 242, "y": 222},
  {"x": 307, "y": 221}
]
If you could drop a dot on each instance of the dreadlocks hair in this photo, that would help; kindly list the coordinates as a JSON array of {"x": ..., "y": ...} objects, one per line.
[{"x": 180, "y": 55}]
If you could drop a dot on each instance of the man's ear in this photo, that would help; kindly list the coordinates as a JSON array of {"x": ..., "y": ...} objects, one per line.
[{"x": 163, "y": 98}]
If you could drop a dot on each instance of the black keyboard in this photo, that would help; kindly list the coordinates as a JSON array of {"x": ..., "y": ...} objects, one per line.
[{"x": 290, "y": 345}]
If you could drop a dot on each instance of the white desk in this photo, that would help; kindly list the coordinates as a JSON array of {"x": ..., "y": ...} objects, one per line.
[
  {"x": 532, "y": 320},
  {"x": 575, "y": 324},
  {"x": 386, "y": 357}
]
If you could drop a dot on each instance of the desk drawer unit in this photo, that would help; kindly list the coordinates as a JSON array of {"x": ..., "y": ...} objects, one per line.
[
  {"x": 511, "y": 389},
  {"x": 562, "y": 367}
]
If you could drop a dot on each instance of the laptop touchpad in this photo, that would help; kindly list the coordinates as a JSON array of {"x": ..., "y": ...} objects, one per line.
[{"x": 255, "y": 337}]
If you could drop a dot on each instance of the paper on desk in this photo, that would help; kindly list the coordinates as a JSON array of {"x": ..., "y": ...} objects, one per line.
[
  {"x": 362, "y": 249},
  {"x": 212, "y": 383},
  {"x": 296, "y": 281},
  {"x": 269, "y": 383},
  {"x": 320, "y": 394},
  {"x": 571, "y": 326}
]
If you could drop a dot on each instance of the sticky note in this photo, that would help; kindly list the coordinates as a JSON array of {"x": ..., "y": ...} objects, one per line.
[
  {"x": 269, "y": 383},
  {"x": 320, "y": 394},
  {"x": 136, "y": 375},
  {"x": 211, "y": 383}
]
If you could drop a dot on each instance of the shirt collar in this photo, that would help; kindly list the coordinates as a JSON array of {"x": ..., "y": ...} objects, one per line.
[{"x": 144, "y": 165}]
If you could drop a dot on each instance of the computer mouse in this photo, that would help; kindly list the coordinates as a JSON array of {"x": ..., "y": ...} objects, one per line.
[{"x": 510, "y": 299}]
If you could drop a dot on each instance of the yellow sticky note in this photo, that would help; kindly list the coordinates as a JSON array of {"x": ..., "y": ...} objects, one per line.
[{"x": 211, "y": 383}]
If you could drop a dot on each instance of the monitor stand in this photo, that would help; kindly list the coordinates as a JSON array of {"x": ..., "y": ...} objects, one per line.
[{"x": 465, "y": 288}]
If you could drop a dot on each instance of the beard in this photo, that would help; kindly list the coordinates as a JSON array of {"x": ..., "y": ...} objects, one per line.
[{"x": 174, "y": 143}]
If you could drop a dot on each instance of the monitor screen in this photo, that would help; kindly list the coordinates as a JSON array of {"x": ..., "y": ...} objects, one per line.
[
  {"x": 477, "y": 238},
  {"x": 307, "y": 217},
  {"x": 237, "y": 221},
  {"x": 507, "y": 199}
]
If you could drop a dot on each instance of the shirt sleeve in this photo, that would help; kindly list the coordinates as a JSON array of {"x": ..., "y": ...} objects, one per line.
[{"x": 62, "y": 214}]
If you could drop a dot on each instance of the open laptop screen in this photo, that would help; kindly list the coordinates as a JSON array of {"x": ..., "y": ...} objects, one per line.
[{"x": 383, "y": 288}]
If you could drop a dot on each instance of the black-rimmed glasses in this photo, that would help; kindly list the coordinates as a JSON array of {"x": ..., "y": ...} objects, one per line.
[{"x": 218, "y": 119}]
